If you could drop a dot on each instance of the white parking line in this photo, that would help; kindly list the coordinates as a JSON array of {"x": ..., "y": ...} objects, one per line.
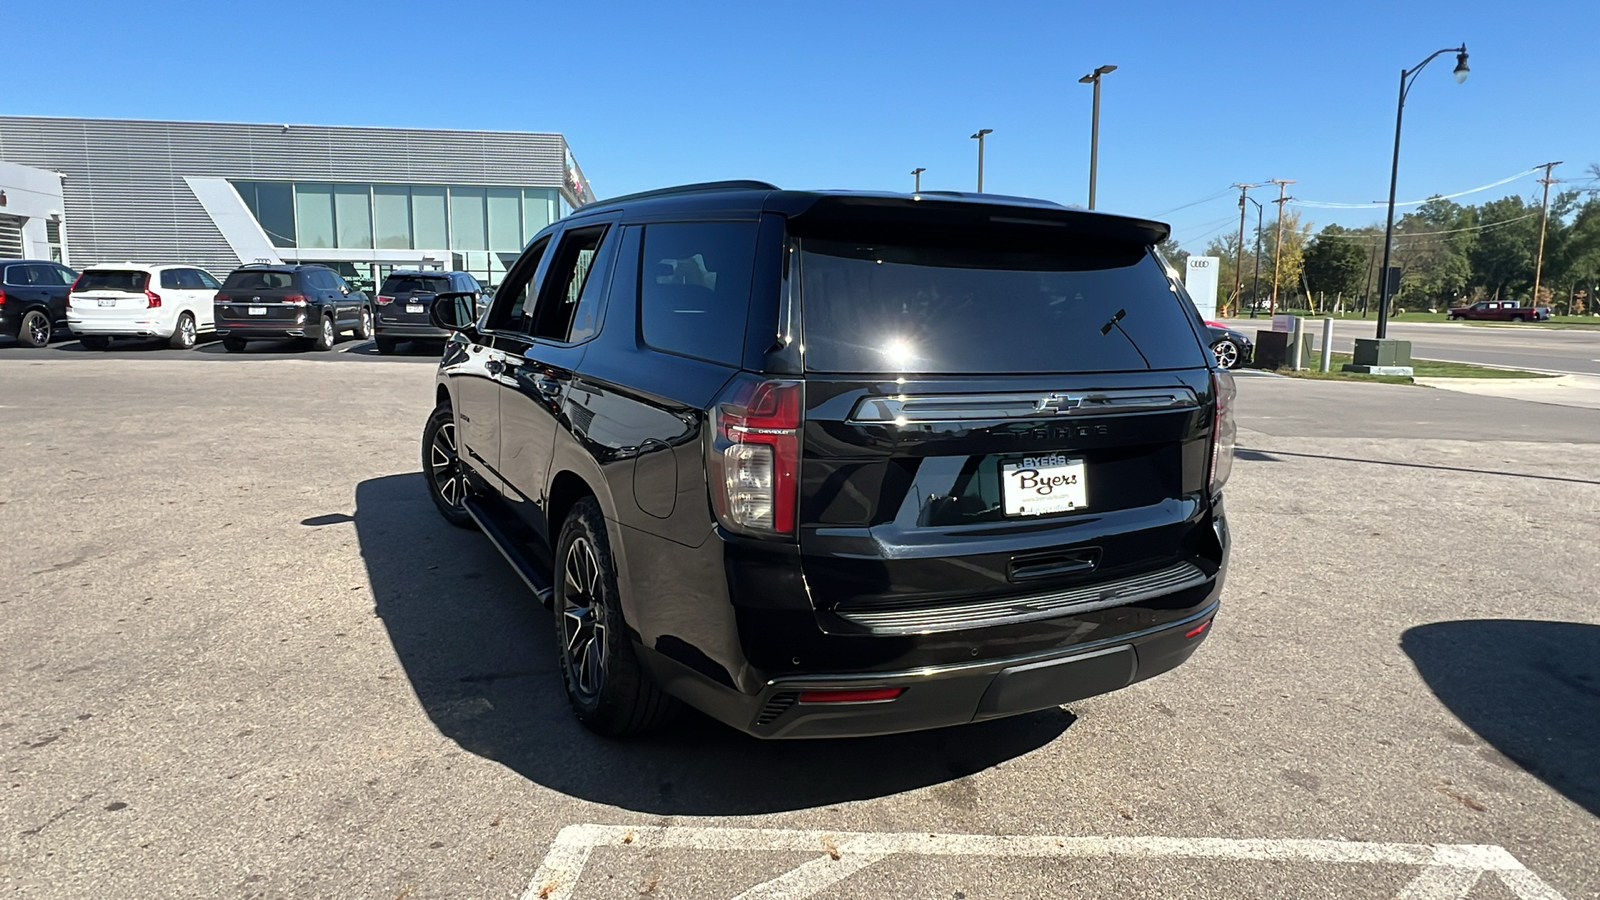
[{"x": 1448, "y": 871}]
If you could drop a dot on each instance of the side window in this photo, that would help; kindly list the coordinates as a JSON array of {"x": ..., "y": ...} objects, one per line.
[
  {"x": 169, "y": 279},
  {"x": 15, "y": 275},
  {"x": 511, "y": 302},
  {"x": 694, "y": 288},
  {"x": 340, "y": 283},
  {"x": 575, "y": 280},
  {"x": 207, "y": 282},
  {"x": 66, "y": 275}
]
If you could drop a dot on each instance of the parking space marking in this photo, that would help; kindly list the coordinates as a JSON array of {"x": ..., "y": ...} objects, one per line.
[{"x": 1448, "y": 871}]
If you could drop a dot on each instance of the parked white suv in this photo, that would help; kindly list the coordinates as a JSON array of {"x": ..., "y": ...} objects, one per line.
[{"x": 138, "y": 301}]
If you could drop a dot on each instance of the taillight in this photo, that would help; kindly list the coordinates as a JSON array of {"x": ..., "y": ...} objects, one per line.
[
  {"x": 151, "y": 299},
  {"x": 2, "y": 296},
  {"x": 75, "y": 282},
  {"x": 295, "y": 300},
  {"x": 222, "y": 298},
  {"x": 384, "y": 301},
  {"x": 755, "y": 457},
  {"x": 1224, "y": 431}
]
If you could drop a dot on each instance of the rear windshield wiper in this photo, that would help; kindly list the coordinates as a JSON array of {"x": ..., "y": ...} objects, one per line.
[{"x": 1116, "y": 322}]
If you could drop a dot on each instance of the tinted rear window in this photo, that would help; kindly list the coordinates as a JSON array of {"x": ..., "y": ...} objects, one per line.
[
  {"x": 259, "y": 281},
  {"x": 886, "y": 309},
  {"x": 694, "y": 292},
  {"x": 108, "y": 280},
  {"x": 416, "y": 284}
]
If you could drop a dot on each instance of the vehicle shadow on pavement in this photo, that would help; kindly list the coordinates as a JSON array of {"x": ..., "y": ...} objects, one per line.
[
  {"x": 1529, "y": 688},
  {"x": 480, "y": 653}
]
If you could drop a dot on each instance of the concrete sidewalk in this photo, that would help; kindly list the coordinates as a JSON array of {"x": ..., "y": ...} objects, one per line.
[{"x": 1582, "y": 391}]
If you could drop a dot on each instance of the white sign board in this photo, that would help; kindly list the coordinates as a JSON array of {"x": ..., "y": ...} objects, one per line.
[{"x": 1201, "y": 280}]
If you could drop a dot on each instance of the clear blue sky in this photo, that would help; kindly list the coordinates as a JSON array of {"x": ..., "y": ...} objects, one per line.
[{"x": 854, "y": 95}]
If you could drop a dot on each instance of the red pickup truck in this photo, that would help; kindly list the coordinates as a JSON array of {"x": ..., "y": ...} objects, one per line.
[{"x": 1499, "y": 311}]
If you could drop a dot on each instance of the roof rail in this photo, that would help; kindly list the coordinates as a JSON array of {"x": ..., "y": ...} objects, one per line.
[{"x": 701, "y": 187}]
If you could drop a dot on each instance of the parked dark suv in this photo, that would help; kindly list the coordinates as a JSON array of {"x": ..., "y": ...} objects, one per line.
[
  {"x": 33, "y": 300},
  {"x": 273, "y": 302},
  {"x": 403, "y": 304},
  {"x": 829, "y": 463}
]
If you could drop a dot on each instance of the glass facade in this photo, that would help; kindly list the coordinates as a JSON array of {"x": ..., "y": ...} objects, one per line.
[{"x": 482, "y": 228}]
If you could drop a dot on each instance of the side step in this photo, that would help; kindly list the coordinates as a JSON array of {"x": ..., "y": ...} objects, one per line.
[{"x": 519, "y": 545}]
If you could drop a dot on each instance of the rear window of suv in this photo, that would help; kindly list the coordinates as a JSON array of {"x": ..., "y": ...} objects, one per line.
[
  {"x": 891, "y": 309},
  {"x": 259, "y": 281},
  {"x": 109, "y": 280},
  {"x": 416, "y": 284}
]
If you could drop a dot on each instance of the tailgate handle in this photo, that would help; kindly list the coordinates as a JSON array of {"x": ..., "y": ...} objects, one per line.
[{"x": 1047, "y": 565}]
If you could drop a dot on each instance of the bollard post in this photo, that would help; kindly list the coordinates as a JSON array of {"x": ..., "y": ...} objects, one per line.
[
  {"x": 1297, "y": 333},
  {"x": 1327, "y": 343}
]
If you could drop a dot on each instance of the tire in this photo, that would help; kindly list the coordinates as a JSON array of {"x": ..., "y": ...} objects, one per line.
[
  {"x": 1519, "y": 318},
  {"x": 326, "y": 335},
  {"x": 387, "y": 345},
  {"x": 95, "y": 342},
  {"x": 34, "y": 329},
  {"x": 234, "y": 344},
  {"x": 610, "y": 692},
  {"x": 364, "y": 325},
  {"x": 1227, "y": 354},
  {"x": 185, "y": 335},
  {"x": 441, "y": 467}
]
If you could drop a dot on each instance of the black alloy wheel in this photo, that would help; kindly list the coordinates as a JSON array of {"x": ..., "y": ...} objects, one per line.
[
  {"x": 35, "y": 329},
  {"x": 583, "y": 631},
  {"x": 441, "y": 464},
  {"x": 611, "y": 693},
  {"x": 1227, "y": 353}
]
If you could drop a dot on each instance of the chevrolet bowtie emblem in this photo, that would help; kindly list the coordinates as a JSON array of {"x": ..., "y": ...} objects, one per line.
[{"x": 1054, "y": 403}]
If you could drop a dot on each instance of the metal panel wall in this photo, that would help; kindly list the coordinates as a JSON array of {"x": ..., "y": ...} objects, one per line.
[{"x": 126, "y": 198}]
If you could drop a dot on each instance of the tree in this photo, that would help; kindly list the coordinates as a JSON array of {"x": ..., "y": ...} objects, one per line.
[
  {"x": 1295, "y": 237},
  {"x": 1433, "y": 245},
  {"x": 1508, "y": 238},
  {"x": 1335, "y": 262},
  {"x": 1176, "y": 256},
  {"x": 1226, "y": 250}
]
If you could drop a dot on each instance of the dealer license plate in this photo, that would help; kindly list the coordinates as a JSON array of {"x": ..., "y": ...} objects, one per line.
[
  {"x": 415, "y": 308},
  {"x": 257, "y": 310},
  {"x": 1040, "y": 485}
]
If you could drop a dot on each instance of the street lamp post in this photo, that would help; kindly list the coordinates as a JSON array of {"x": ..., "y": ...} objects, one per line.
[
  {"x": 1407, "y": 76},
  {"x": 1094, "y": 129},
  {"x": 917, "y": 174},
  {"x": 979, "y": 138}
]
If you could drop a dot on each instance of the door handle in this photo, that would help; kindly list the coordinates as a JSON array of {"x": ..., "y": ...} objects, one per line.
[
  {"x": 547, "y": 386},
  {"x": 494, "y": 366}
]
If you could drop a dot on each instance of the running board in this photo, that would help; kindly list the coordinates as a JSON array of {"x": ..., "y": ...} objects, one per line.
[{"x": 518, "y": 545}]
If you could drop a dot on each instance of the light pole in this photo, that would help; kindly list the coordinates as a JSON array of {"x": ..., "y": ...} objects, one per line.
[
  {"x": 1255, "y": 286},
  {"x": 917, "y": 174},
  {"x": 979, "y": 138},
  {"x": 1407, "y": 76},
  {"x": 1094, "y": 130}
]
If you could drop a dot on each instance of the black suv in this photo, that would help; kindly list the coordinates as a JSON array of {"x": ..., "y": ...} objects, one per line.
[
  {"x": 33, "y": 299},
  {"x": 831, "y": 463},
  {"x": 311, "y": 302},
  {"x": 403, "y": 304}
]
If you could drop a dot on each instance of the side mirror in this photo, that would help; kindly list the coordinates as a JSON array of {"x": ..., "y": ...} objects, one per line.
[{"x": 452, "y": 311}]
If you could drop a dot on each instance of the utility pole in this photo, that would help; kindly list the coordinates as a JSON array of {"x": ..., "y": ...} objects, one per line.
[
  {"x": 917, "y": 174},
  {"x": 1238, "y": 266},
  {"x": 1277, "y": 249},
  {"x": 1538, "y": 265}
]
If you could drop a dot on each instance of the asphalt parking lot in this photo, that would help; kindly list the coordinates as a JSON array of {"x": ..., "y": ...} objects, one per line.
[{"x": 244, "y": 657}]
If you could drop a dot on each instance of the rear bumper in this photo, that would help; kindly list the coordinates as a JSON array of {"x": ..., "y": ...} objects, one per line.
[
  {"x": 409, "y": 332},
  {"x": 253, "y": 332},
  {"x": 156, "y": 328},
  {"x": 941, "y": 696}
]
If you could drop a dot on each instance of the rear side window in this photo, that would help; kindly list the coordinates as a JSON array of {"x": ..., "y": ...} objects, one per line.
[
  {"x": 889, "y": 309},
  {"x": 169, "y": 280},
  {"x": 111, "y": 280},
  {"x": 248, "y": 280},
  {"x": 416, "y": 284},
  {"x": 694, "y": 288}
]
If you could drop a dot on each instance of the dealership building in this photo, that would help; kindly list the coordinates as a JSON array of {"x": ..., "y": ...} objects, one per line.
[{"x": 217, "y": 195}]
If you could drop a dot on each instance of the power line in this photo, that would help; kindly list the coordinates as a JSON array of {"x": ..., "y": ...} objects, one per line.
[
  {"x": 1195, "y": 203},
  {"x": 1414, "y": 234},
  {"x": 1374, "y": 204}
]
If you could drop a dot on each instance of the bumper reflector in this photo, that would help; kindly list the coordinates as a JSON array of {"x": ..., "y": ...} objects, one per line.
[
  {"x": 842, "y": 695},
  {"x": 1198, "y": 629}
]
